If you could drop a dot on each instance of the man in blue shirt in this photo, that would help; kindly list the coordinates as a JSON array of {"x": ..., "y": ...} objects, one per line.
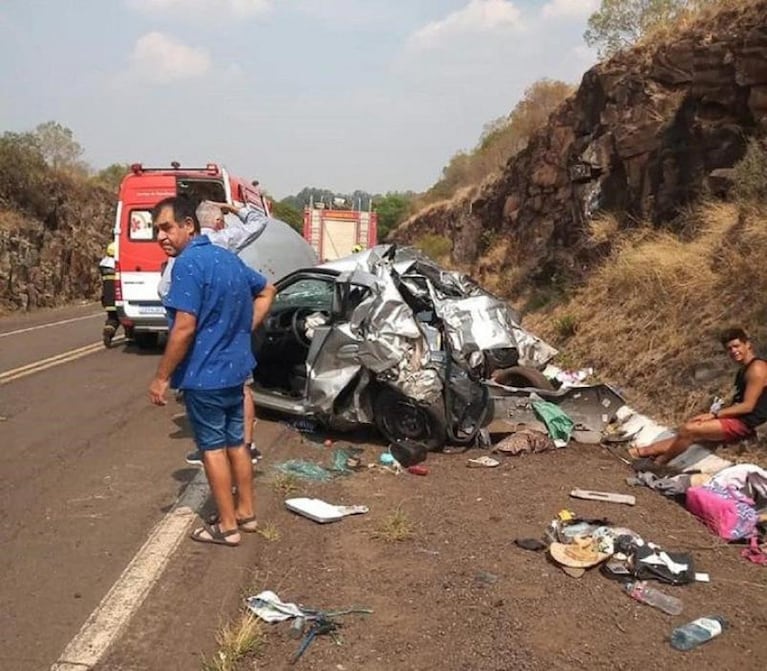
[{"x": 214, "y": 304}]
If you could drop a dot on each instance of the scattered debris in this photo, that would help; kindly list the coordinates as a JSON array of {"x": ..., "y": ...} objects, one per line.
[
  {"x": 483, "y": 462},
  {"x": 609, "y": 497},
  {"x": 526, "y": 441},
  {"x": 559, "y": 425},
  {"x": 417, "y": 470},
  {"x": 268, "y": 606},
  {"x": 321, "y": 511},
  {"x": 307, "y": 470}
]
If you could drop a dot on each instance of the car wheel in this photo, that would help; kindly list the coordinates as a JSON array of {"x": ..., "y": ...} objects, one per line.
[
  {"x": 145, "y": 340},
  {"x": 400, "y": 418},
  {"x": 522, "y": 376}
]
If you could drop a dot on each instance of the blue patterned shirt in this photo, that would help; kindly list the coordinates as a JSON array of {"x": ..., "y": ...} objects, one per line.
[{"x": 218, "y": 289}]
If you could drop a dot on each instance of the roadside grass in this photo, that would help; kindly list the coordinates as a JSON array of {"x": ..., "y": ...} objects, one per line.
[
  {"x": 269, "y": 531},
  {"x": 236, "y": 640},
  {"x": 395, "y": 527},
  {"x": 285, "y": 484},
  {"x": 652, "y": 312}
]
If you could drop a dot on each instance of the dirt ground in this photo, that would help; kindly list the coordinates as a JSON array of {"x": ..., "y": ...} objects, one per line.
[{"x": 459, "y": 595}]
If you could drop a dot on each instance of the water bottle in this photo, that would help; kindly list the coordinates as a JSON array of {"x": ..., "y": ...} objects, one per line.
[
  {"x": 696, "y": 632},
  {"x": 641, "y": 591}
]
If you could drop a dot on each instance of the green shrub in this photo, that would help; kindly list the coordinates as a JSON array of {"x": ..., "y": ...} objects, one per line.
[{"x": 566, "y": 326}]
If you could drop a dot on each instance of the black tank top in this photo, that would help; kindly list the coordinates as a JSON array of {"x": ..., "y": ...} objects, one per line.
[{"x": 759, "y": 414}]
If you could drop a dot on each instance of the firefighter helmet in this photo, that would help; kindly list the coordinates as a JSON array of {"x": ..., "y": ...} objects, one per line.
[{"x": 111, "y": 249}]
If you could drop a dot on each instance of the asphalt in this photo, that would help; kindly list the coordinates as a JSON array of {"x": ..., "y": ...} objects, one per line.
[{"x": 87, "y": 468}]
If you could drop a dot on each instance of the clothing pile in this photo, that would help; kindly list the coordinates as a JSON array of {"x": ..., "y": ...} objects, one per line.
[{"x": 732, "y": 503}]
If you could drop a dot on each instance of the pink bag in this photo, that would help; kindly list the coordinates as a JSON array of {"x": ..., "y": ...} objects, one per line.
[{"x": 728, "y": 513}]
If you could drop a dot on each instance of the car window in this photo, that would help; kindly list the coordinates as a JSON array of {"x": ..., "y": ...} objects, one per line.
[
  {"x": 140, "y": 225},
  {"x": 309, "y": 292}
]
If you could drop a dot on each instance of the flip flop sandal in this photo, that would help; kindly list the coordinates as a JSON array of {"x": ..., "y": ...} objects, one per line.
[
  {"x": 216, "y": 536},
  {"x": 482, "y": 462},
  {"x": 247, "y": 524}
]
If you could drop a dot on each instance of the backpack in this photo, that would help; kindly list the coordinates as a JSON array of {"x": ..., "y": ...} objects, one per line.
[{"x": 728, "y": 513}]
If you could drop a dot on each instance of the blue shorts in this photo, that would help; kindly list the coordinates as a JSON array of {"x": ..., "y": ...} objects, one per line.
[{"x": 216, "y": 417}]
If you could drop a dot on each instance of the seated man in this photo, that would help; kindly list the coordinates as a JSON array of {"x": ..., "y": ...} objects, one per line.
[{"x": 732, "y": 423}]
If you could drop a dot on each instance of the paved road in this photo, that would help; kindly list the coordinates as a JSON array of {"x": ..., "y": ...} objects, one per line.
[{"x": 87, "y": 468}]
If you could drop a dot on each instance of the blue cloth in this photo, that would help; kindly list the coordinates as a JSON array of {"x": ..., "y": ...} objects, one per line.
[
  {"x": 216, "y": 417},
  {"x": 218, "y": 289}
]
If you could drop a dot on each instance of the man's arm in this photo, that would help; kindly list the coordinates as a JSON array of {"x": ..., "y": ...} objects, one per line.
[
  {"x": 262, "y": 303},
  {"x": 179, "y": 340},
  {"x": 250, "y": 222},
  {"x": 756, "y": 377}
]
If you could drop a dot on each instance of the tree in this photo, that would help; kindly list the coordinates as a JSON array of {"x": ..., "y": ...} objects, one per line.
[
  {"x": 24, "y": 175},
  {"x": 620, "y": 23},
  {"x": 111, "y": 176},
  {"x": 286, "y": 212},
  {"x": 501, "y": 139},
  {"x": 392, "y": 210},
  {"x": 58, "y": 146}
]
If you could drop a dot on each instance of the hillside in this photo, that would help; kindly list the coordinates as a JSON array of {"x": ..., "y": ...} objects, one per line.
[
  {"x": 645, "y": 135},
  {"x": 631, "y": 229},
  {"x": 53, "y": 230}
]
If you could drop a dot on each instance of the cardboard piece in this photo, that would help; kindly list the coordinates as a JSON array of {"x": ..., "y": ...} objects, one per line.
[{"x": 609, "y": 497}]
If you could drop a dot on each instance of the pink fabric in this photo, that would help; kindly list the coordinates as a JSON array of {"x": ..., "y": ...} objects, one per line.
[{"x": 729, "y": 514}]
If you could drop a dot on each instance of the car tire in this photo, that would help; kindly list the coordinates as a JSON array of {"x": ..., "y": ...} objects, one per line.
[
  {"x": 401, "y": 419},
  {"x": 145, "y": 340},
  {"x": 522, "y": 376}
]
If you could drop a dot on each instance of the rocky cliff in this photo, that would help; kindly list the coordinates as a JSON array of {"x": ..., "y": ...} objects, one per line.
[
  {"x": 50, "y": 257},
  {"x": 645, "y": 134}
]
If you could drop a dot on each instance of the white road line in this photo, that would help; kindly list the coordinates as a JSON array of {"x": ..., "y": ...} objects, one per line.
[
  {"x": 55, "y": 360},
  {"x": 112, "y": 615},
  {"x": 45, "y": 326}
]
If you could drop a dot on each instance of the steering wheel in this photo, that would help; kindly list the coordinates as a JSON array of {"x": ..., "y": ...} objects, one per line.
[{"x": 298, "y": 325}]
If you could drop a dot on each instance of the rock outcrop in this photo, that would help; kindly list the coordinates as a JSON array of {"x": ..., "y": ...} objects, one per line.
[
  {"x": 52, "y": 259},
  {"x": 646, "y": 133}
]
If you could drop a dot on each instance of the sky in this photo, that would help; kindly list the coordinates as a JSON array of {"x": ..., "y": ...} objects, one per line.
[{"x": 375, "y": 95}]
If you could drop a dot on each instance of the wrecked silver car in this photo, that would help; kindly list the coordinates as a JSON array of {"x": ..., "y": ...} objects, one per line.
[{"x": 387, "y": 337}]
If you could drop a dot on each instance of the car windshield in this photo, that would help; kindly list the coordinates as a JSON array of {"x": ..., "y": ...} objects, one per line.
[{"x": 309, "y": 292}]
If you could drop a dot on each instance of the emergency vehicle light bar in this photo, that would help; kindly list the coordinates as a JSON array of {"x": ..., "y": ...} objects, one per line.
[{"x": 210, "y": 168}]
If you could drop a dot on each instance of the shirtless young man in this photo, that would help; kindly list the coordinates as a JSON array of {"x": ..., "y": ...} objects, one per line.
[{"x": 730, "y": 424}]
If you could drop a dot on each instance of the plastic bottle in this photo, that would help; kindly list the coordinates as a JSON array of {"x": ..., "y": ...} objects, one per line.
[
  {"x": 641, "y": 591},
  {"x": 698, "y": 631}
]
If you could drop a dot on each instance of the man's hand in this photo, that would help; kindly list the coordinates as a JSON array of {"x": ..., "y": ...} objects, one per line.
[
  {"x": 226, "y": 208},
  {"x": 157, "y": 391},
  {"x": 706, "y": 417}
]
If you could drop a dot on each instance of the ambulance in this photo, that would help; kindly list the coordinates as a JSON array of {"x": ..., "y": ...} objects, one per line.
[{"x": 140, "y": 260}]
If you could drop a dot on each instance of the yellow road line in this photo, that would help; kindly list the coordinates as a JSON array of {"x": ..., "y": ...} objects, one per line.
[{"x": 56, "y": 360}]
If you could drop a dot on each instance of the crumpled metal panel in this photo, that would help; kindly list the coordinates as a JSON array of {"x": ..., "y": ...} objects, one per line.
[
  {"x": 533, "y": 351},
  {"x": 384, "y": 337},
  {"x": 335, "y": 356}
]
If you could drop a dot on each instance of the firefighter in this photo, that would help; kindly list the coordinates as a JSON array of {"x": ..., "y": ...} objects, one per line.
[
  {"x": 356, "y": 249},
  {"x": 107, "y": 270}
]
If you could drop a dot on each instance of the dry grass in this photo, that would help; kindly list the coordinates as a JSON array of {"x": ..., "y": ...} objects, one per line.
[
  {"x": 396, "y": 526},
  {"x": 236, "y": 640},
  {"x": 270, "y": 532},
  {"x": 653, "y": 311},
  {"x": 286, "y": 484},
  {"x": 689, "y": 20},
  {"x": 603, "y": 228}
]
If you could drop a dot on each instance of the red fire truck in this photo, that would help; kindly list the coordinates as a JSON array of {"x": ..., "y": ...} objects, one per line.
[{"x": 337, "y": 233}]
